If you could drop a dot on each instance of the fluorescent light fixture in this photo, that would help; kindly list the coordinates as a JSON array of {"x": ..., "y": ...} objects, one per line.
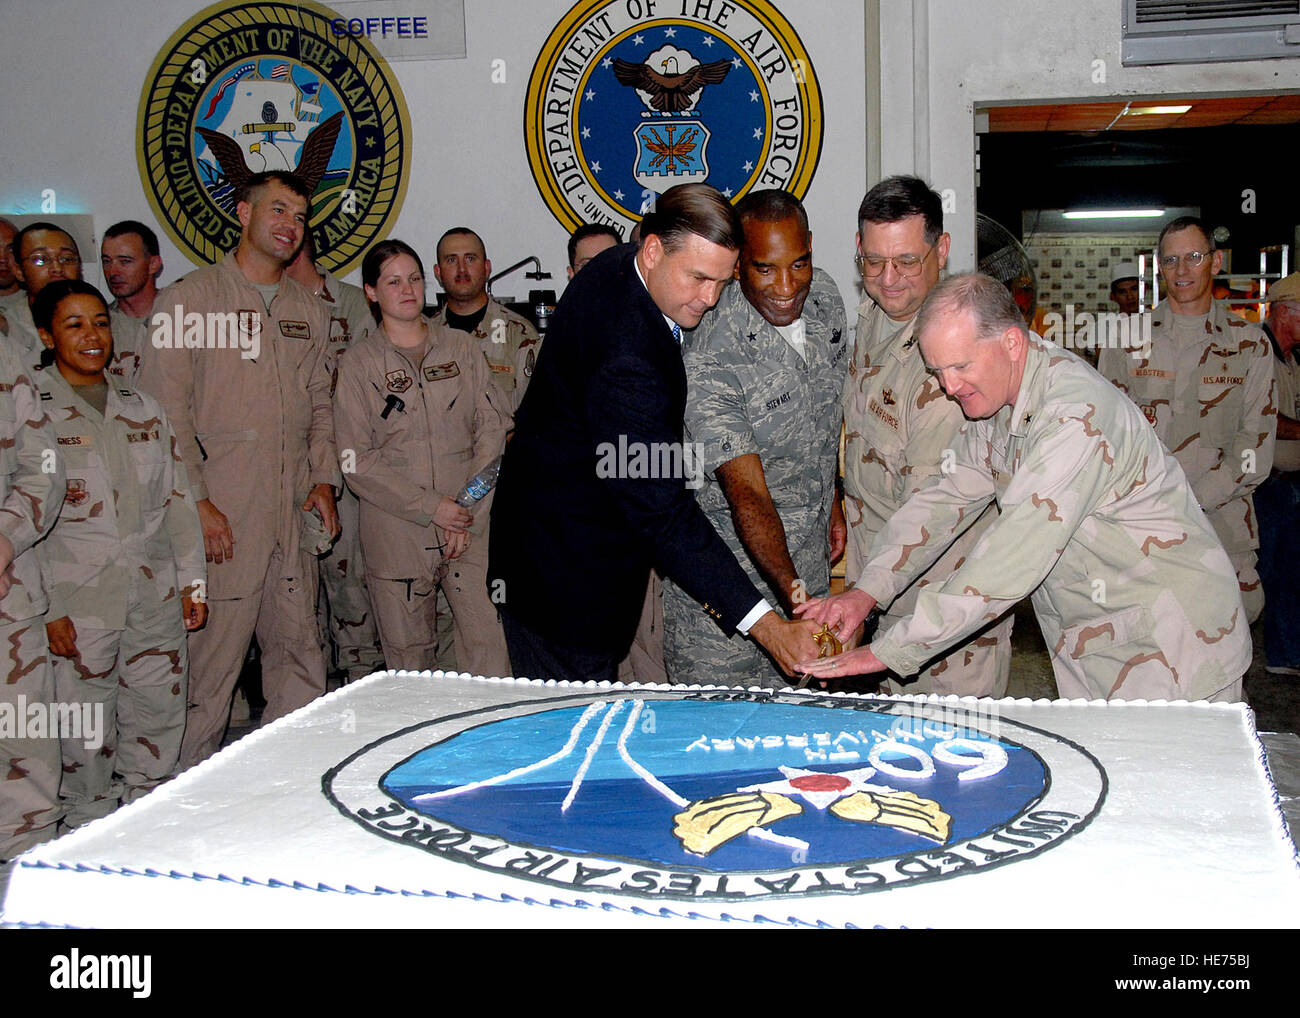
[
  {"x": 1115, "y": 214},
  {"x": 1154, "y": 111}
]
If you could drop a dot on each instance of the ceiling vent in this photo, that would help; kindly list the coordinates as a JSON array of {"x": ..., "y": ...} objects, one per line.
[{"x": 1208, "y": 31}]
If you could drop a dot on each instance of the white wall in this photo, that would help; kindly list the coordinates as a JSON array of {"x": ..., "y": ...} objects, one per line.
[
  {"x": 72, "y": 72},
  {"x": 1012, "y": 51}
]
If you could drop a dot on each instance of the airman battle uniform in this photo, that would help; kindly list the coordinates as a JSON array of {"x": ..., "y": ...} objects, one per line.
[
  {"x": 748, "y": 391},
  {"x": 344, "y": 615},
  {"x": 450, "y": 424},
  {"x": 1207, "y": 389},
  {"x": 899, "y": 426},
  {"x": 30, "y": 496},
  {"x": 256, "y": 435},
  {"x": 126, "y": 548},
  {"x": 1134, "y": 593}
]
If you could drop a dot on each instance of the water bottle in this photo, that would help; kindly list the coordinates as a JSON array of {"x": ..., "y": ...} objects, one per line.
[{"x": 479, "y": 485}]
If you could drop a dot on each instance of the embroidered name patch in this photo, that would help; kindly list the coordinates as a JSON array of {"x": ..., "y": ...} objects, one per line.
[
  {"x": 295, "y": 330},
  {"x": 434, "y": 372}
]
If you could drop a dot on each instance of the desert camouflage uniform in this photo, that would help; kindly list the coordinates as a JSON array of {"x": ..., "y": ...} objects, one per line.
[
  {"x": 1134, "y": 593},
  {"x": 29, "y": 502},
  {"x": 344, "y": 614},
  {"x": 1210, "y": 398},
  {"x": 749, "y": 392},
  {"x": 899, "y": 425},
  {"x": 510, "y": 344},
  {"x": 130, "y": 345},
  {"x": 23, "y": 337},
  {"x": 126, "y": 548}
]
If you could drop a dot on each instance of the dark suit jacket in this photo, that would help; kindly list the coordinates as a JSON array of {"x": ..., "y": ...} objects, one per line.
[{"x": 574, "y": 548}]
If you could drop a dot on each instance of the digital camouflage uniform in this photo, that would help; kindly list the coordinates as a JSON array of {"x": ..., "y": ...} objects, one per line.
[
  {"x": 344, "y": 614},
  {"x": 898, "y": 427},
  {"x": 1207, "y": 389},
  {"x": 256, "y": 435},
  {"x": 126, "y": 548},
  {"x": 130, "y": 346},
  {"x": 31, "y": 490},
  {"x": 1134, "y": 593},
  {"x": 749, "y": 392},
  {"x": 510, "y": 344}
]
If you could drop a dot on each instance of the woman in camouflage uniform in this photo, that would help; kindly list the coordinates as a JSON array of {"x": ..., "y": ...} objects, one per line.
[{"x": 123, "y": 564}]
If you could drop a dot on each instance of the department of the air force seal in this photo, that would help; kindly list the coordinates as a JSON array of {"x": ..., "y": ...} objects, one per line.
[
  {"x": 631, "y": 97},
  {"x": 722, "y": 795},
  {"x": 268, "y": 86}
]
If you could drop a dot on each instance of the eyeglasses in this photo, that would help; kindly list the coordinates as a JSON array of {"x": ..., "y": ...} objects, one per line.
[
  {"x": 64, "y": 261},
  {"x": 905, "y": 265},
  {"x": 1193, "y": 260}
]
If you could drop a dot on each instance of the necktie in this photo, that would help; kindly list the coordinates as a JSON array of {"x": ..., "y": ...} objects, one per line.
[{"x": 677, "y": 333}]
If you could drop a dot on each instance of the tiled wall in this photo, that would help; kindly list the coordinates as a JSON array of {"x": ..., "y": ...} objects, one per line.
[{"x": 1075, "y": 268}]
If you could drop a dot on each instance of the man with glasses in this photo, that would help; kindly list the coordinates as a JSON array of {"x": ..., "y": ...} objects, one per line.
[
  {"x": 42, "y": 253},
  {"x": 1206, "y": 386},
  {"x": 900, "y": 426}
]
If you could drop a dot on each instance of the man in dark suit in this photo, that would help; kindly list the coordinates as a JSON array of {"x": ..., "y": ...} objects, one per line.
[{"x": 594, "y": 485}]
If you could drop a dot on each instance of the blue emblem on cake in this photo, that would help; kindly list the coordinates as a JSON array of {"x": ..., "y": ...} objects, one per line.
[{"x": 721, "y": 786}]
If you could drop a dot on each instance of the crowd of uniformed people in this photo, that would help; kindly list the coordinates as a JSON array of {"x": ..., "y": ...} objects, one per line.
[{"x": 295, "y": 469}]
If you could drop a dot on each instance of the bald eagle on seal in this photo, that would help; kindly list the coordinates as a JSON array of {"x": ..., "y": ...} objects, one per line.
[{"x": 670, "y": 93}]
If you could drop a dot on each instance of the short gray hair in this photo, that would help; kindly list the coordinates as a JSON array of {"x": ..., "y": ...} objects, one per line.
[{"x": 988, "y": 300}]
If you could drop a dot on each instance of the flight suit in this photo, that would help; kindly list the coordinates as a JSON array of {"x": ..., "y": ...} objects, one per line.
[
  {"x": 256, "y": 435},
  {"x": 344, "y": 615},
  {"x": 126, "y": 548},
  {"x": 130, "y": 345},
  {"x": 899, "y": 427},
  {"x": 1132, "y": 588},
  {"x": 510, "y": 344},
  {"x": 748, "y": 391},
  {"x": 452, "y": 423},
  {"x": 31, "y": 491},
  {"x": 1207, "y": 389}
]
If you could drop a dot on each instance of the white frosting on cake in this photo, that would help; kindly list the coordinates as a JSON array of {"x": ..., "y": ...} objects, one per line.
[{"x": 285, "y": 827}]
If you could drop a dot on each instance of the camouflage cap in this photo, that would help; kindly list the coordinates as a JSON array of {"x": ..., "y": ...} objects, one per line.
[{"x": 1286, "y": 289}]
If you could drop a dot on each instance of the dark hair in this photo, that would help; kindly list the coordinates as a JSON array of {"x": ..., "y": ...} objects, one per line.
[
  {"x": 772, "y": 206},
  {"x": 258, "y": 181},
  {"x": 897, "y": 198},
  {"x": 373, "y": 263},
  {"x": 128, "y": 226},
  {"x": 591, "y": 230},
  {"x": 458, "y": 231},
  {"x": 1184, "y": 223},
  {"x": 989, "y": 301},
  {"x": 17, "y": 245},
  {"x": 48, "y": 300},
  {"x": 693, "y": 208}
]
